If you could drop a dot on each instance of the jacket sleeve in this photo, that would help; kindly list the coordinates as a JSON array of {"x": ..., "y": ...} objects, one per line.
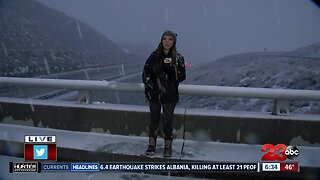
[
  {"x": 147, "y": 73},
  {"x": 180, "y": 69}
]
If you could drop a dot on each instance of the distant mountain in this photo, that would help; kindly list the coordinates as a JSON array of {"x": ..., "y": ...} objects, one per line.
[
  {"x": 138, "y": 48},
  {"x": 36, "y": 40},
  {"x": 310, "y": 51},
  {"x": 258, "y": 70}
]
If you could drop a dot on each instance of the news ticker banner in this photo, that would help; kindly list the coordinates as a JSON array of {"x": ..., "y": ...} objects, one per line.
[{"x": 37, "y": 167}]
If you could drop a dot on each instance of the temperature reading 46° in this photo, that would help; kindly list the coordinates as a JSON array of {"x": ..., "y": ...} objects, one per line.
[{"x": 289, "y": 167}]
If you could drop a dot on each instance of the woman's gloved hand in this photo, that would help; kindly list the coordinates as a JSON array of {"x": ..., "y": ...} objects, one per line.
[{"x": 148, "y": 84}]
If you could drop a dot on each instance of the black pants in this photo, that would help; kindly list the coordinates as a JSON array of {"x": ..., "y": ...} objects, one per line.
[{"x": 167, "y": 118}]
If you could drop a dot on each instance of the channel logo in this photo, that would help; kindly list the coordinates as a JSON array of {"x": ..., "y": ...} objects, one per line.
[
  {"x": 40, "y": 148},
  {"x": 279, "y": 152}
]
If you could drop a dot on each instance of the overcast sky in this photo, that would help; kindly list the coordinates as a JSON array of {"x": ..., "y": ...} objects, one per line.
[{"x": 207, "y": 29}]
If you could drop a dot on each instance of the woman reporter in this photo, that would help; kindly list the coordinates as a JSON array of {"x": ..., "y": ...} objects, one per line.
[{"x": 162, "y": 73}]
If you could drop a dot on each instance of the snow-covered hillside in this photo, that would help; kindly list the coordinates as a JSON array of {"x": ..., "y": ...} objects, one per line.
[
  {"x": 37, "y": 40},
  {"x": 258, "y": 70}
]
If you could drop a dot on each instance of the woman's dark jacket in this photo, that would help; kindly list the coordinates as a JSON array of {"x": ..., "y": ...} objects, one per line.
[{"x": 162, "y": 77}]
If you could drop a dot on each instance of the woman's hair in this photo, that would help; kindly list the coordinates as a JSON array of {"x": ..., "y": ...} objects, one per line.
[{"x": 172, "y": 51}]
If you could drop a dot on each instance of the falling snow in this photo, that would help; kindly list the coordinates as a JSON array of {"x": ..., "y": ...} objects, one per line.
[
  {"x": 209, "y": 45},
  {"x": 166, "y": 15},
  {"x": 79, "y": 29},
  {"x": 143, "y": 27},
  {"x": 46, "y": 65},
  {"x": 204, "y": 10},
  {"x": 4, "y": 49},
  {"x": 86, "y": 74},
  {"x": 117, "y": 97},
  {"x": 31, "y": 104}
]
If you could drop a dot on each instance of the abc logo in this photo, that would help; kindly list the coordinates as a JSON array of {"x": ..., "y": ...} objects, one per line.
[
  {"x": 292, "y": 152},
  {"x": 279, "y": 152}
]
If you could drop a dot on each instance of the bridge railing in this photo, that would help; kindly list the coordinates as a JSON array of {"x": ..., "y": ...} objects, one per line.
[{"x": 281, "y": 97}]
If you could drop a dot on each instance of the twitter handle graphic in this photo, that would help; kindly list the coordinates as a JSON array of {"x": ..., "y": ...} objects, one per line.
[
  {"x": 40, "y": 152},
  {"x": 40, "y": 148}
]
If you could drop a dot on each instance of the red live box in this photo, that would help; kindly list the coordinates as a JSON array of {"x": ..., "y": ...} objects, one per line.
[{"x": 29, "y": 156}]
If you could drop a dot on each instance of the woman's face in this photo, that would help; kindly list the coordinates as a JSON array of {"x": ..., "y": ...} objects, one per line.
[{"x": 167, "y": 42}]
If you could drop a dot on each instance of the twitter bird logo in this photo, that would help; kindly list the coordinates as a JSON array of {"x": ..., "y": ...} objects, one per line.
[{"x": 40, "y": 152}]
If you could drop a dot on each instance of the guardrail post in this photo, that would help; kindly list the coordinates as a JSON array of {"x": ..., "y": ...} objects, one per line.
[
  {"x": 121, "y": 70},
  {"x": 84, "y": 96},
  {"x": 281, "y": 107}
]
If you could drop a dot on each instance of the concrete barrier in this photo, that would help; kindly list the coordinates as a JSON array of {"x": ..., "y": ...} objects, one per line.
[{"x": 193, "y": 124}]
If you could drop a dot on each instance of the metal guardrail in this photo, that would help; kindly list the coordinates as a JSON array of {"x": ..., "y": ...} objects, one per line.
[{"x": 282, "y": 97}]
